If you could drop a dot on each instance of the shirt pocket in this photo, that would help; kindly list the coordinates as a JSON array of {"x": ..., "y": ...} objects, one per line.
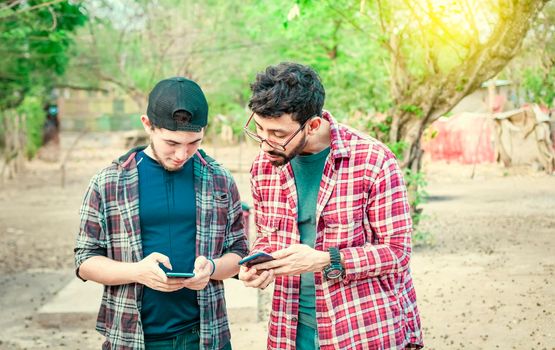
[
  {"x": 269, "y": 227},
  {"x": 344, "y": 229},
  {"x": 221, "y": 199},
  {"x": 217, "y": 214}
]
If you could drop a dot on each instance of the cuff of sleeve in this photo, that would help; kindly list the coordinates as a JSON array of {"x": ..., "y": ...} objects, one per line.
[
  {"x": 78, "y": 276},
  {"x": 81, "y": 258},
  {"x": 353, "y": 263},
  {"x": 241, "y": 253}
]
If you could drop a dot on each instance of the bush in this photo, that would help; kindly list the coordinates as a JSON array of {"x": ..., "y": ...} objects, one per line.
[
  {"x": 31, "y": 109},
  {"x": 35, "y": 116}
]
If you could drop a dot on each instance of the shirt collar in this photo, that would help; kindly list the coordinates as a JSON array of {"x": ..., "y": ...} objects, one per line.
[
  {"x": 127, "y": 161},
  {"x": 339, "y": 148}
]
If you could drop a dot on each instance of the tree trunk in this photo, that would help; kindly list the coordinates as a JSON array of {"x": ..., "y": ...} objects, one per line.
[{"x": 15, "y": 142}]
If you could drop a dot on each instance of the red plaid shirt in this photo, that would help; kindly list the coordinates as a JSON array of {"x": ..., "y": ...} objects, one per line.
[{"x": 362, "y": 208}]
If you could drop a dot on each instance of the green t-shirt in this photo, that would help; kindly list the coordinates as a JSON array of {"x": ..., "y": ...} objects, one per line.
[{"x": 308, "y": 174}]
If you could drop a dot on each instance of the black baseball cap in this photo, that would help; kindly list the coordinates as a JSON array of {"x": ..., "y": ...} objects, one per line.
[{"x": 175, "y": 94}]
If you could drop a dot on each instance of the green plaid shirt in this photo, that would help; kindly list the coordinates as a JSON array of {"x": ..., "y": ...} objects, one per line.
[{"x": 110, "y": 226}]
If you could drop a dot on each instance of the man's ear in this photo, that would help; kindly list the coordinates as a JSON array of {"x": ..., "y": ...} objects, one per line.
[
  {"x": 314, "y": 125},
  {"x": 146, "y": 124}
]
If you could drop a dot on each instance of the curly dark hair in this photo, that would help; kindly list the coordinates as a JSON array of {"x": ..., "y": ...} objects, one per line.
[{"x": 288, "y": 88}]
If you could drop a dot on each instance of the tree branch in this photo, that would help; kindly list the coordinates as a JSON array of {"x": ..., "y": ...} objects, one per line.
[
  {"x": 35, "y": 7},
  {"x": 79, "y": 87}
]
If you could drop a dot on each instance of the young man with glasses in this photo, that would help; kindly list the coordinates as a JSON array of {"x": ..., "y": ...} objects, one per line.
[
  {"x": 331, "y": 208},
  {"x": 157, "y": 210}
]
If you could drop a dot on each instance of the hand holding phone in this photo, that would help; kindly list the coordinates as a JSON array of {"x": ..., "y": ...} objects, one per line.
[{"x": 257, "y": 258}]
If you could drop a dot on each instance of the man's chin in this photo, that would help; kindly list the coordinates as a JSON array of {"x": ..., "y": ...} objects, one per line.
[
  {"x": 281, "y": 162},
  {"x": 172, "y": 168},
  {"x": 276, "y": 160}
]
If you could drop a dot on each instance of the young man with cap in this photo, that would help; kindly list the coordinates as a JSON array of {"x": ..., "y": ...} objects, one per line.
[
  {"x": 163, "y": 208},
  {"x": 331, "y": 207}
]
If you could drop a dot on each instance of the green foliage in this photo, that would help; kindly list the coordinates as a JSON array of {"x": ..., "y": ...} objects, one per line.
[
  {"x": 335, "y": 40},
  {"x": 533, "y": 70},
  {"x": 416, "y": 180},
  {"x": 34, "y": 37},
  {"x": 31, "y": 108},
  {"x": 539, "y": 86},
  {"x": 436, "y": 37},
  {"x": 416, "y": 110},
  {"x": 397, "y": 148},
  {"x": 34, "y": 40},
  {"x": 416, "y": 185},
  {"x": 208, "y": 42},
  {"x": 421, "y": 237}
]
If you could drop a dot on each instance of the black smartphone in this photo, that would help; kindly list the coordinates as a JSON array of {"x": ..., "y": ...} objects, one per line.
[
  {"x": 257, "y": 258},
  {"x": 180, "y": 274}
]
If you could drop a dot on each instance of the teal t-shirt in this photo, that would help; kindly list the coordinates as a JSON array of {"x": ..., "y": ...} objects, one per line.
[
  {"x": 308, "y": 171},
  {"x": 167, "y": 209}
]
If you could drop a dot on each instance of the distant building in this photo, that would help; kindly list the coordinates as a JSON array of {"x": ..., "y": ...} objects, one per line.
[
  {"x": 97, "y": 110},
  {"x": 478, "y": 101}
]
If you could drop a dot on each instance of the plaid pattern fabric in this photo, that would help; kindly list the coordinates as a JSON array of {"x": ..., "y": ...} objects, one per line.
[
  {"x": 362, "y": 208},
  {"x": 110, "y": 224}
]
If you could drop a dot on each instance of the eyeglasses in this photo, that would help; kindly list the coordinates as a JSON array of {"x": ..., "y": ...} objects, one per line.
[{"x": 273, "y": 144}]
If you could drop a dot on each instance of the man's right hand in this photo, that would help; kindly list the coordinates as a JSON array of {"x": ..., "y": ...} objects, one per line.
[
  {"x": 251, "y": 278},
  {"x": 149, "y": 273}
]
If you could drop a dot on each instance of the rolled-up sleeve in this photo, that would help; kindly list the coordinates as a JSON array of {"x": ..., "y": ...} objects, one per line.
[{"x": 91, "y": 238}]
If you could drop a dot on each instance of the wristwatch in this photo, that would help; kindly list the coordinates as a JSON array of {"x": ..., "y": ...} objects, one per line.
[{"x": 334, "y": 269}]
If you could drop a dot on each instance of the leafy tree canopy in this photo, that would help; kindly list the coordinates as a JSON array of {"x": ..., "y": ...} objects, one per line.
[
  {"x": 34, "y": 40},
  {"x": 532, "y": 72}
]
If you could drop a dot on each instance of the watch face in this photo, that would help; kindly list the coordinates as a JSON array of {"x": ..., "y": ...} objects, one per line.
[{"x": 334, "y": 273}]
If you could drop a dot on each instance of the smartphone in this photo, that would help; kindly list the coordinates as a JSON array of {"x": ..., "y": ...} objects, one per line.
[
  {"x": 180, "y": 274},
  {"x": 257, "y": 258}
]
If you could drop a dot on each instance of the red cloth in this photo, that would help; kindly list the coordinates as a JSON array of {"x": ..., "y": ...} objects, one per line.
[{"x": 465, "y": 138}]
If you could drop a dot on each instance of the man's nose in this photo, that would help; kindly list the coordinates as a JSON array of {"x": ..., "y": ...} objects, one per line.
[
  {"x": 181, "y": 153},
  {"x": 265, "y": 146}
]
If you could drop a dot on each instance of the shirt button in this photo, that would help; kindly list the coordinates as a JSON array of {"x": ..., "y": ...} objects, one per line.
[{"x": 294, "y": 319}]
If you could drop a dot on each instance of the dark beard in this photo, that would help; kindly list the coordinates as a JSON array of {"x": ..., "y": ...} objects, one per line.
[{"x": 287, "y": 158}]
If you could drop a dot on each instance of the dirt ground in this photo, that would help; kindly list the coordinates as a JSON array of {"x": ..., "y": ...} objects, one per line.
[{"x": 486, "y": 280}]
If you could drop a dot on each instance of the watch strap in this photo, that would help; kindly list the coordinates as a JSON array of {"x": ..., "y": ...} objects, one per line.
[{"x": 335, "y": 256}]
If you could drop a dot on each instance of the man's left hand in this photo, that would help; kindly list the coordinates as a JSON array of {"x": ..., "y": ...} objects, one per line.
[
  {"x": 203, "y": 269},
  {"x": 296, "y": 259}
]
